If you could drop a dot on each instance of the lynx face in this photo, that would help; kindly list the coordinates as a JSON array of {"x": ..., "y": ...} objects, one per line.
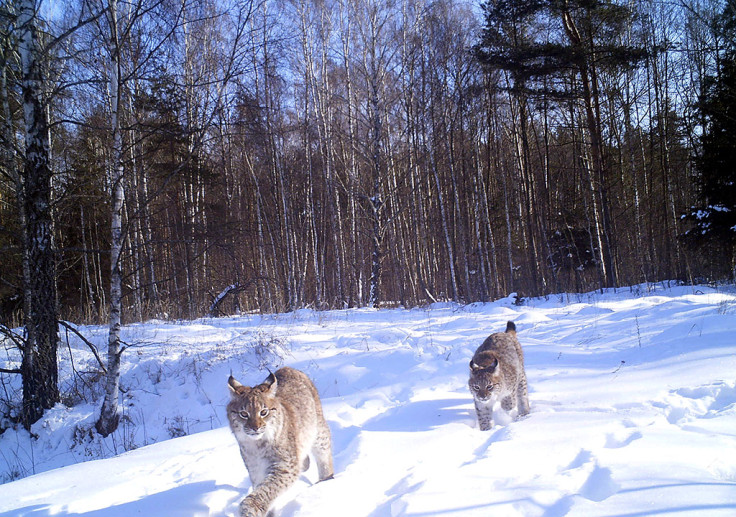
[
  {"x": 251, "y": 409},
  {"x": 482, "y": 383}
]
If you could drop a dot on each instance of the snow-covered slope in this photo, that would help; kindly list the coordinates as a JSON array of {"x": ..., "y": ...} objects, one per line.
[{"x": 633, "y": 399}]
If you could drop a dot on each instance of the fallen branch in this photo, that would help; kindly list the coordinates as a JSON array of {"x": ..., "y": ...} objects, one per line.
[{"x": 235, "y": 288}]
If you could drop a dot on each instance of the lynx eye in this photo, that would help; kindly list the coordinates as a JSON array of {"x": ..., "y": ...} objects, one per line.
[
  {"x": 476, "y": 387},
  {"x": 264, "y": 412},
  {"x": 243, "y": 414}
]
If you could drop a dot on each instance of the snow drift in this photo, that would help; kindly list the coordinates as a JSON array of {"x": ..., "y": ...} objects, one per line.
[{"x": 633, "y": 412}]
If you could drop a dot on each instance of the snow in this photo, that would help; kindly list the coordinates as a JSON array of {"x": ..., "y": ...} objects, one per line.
[
  {"x": 701, "y": 214},
  {"x": 633, "y": 412}
]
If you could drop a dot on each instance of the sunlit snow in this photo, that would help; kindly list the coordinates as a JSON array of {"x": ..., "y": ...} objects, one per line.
[{"x": 633, "y": 412}]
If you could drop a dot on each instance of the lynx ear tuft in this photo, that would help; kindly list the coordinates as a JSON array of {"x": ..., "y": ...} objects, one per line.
[
  {"x": 271, "y": 383},
  {"x": 234, "y": 385},
  {"x": 510, "y": 327}
]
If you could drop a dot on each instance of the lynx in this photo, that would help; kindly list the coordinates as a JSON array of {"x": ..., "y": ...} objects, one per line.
[
  {"x": 497, "y": 373},
  {"x": 277, "y": 424}
]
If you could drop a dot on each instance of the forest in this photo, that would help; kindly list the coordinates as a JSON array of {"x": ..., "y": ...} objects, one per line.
[{"x": 178, "y": 158}]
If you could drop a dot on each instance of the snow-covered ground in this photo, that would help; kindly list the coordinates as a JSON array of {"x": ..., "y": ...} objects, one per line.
[{"x": 633, "y": 399}]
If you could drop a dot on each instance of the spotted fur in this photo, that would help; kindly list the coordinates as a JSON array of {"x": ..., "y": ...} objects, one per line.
[
  {"x": 277, "y": 424},
  {"x": 497, "y": 374}
]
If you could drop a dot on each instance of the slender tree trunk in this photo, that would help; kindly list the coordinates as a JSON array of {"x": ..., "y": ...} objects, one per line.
[
  {"x": 629, "y": 147},
  {"x": 290, "y": 266},
  {"x": 520, "y": 137},
  {"x": 376, "y": 204},
  {"x": 355, "y": 288},
  {"x": 445, "y": 227},
  {"x": 376, "y": 131},
  {"x": 109, "y": 416},
  {"x": 459, "y": 224},
  {"x": 265, "y": 299},
  {"x": 314, "y": 233},
  {"x": 144, "y": 215},
  {"x": 493, "y": 149},
  {"x": 592, "y": 118},
  {"x": 431, "y": 153},
  {"x": 87, "y": 290}
]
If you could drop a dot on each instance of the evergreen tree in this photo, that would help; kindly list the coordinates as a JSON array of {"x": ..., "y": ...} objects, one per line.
[
  {"x": 542, "y": 44},
  {"x": 530, "y": 40},
  {"x": 715, "y": 218}
]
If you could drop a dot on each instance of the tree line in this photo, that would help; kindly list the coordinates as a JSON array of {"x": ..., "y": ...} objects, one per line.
[{"x": 214, "y": 156}]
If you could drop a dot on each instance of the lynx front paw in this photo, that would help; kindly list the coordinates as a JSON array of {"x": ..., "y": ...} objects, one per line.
[
  {"x": 249, "y": 507},
  {"x": 485, "y": 425}
]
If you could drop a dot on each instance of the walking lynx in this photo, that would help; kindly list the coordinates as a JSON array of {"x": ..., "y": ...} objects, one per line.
[
  {"x": 277, "y": 424},
  {"x": 497, "y": 373}
]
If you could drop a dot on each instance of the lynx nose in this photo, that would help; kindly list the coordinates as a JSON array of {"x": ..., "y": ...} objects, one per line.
[{"x": 255, "y": 429}]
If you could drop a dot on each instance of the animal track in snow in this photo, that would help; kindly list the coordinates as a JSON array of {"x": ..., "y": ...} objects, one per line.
[
  {"x": 588, "y": 478},
  {"x": 708, "y": 401},
  {"x": 617, "y": 440},
  {"x": 718, "y": 397},
  {"x": 599, "y": 485}
]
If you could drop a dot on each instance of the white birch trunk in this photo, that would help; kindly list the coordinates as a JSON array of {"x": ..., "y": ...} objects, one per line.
[
  {"x": 356, "y": 278},
  {"x": 39, "y": 364},
  {"x": 109, "y": 416}
]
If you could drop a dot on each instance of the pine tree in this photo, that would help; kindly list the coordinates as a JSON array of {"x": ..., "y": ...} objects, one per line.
[
  {"x": 541, "y": 44},
  {"x": 715, "y": 218}
]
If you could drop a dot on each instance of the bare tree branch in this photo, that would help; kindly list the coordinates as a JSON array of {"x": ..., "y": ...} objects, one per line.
[{"x": 89, "y": 344}]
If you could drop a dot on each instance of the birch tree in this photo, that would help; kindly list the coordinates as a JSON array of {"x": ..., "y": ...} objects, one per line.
[
  {"x": 373, "y": 43},
  {"x": 34, "y": 189},
  {"x": 109, "y": 417},
  {"x": 39, "y": 366},
  {"x": 203, "y": 83}
]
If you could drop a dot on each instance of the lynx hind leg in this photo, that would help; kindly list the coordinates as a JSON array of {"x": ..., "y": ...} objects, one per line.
[
  {"x": 485, "y": 415},
  {"x": 322, "y": 451},
  {"x": 523, "y": 397}
]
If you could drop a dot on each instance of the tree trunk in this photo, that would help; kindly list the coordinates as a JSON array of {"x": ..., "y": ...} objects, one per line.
[
  {"x": 355, "y": 287},
  {"x": 592, "y": 119},
  {"x": 376, "y": 199},
  {"x": 109, "y": 417},
  {"x": 39, "y": 366}
]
